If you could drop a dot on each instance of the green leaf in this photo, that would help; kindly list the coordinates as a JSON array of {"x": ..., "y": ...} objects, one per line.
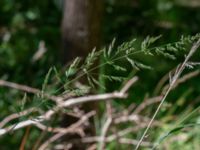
[
  {"x": 91, "y": 58},
  {"x": 113, "y": 78},
  {"x": 57, "y": 74},
  {"x": 142, "y": 66},
  {"x": 111, "y": 47},
  {"x": 173, "y": 131},
  {"x": 90, "y": 82},
  {"x": 132, "y": 63},
  {"x": 72, "y": 68},
  {"x": 148, "y": 41},
  {"x": 23, "y": 102},
  {"x": 46, "y": 80},
  {"x": 98, "y": 83},
  {"x": 119, "y": 68}
]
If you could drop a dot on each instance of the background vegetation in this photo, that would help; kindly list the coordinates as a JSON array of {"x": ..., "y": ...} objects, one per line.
[{"x": 24, "y": 25}]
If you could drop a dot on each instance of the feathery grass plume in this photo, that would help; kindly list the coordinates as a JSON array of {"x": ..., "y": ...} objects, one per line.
[
  {"x": 113, "y": 78},
  {"x": 44, "y": 85},
  {"x": 124, "y": 52},
  {"x": 73, "y": 68},
  {"x": 24, "y": 100},
  {"x": 147, "y": 42},
  {"x": 57, "y": 75},
  {"x": 110, "y": 48},
  {"x": 90, "y": 59},
  {"x": 169, "y": 50},
  {"x": 126, "y": 47},
  {"x": 132, "y": 62}
]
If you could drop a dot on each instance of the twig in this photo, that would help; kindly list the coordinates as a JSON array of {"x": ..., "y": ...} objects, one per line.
[
  {"x": 62, "y": 146},
  {"x": 183, "y": 79},
  {"x": 172, "y": 83},
  {"x": 52, "y": 129},
  {"x": 117, "y": 135},
  {"x": 28, "y": 122},
  {"x": 104, "y": 131},
  {"x": 121, "y": 94},
  {"x": 146, "y": 103},
  {"x": 162, "y": 81},
  {"x": 71, "y": 128},
  {"x": 23, "y": 143},
  {"x": 69, "y": 103},
  {"x": 92, "y": 98},
  {"x": 106, "y": 125},
  {"x": 133, "y": 117},
  {"x": 101, "y": 97},
  {"x": 128, "y": 85},
  {"x": 121, "y": 140},
  {"x": 125, "y": 118},
  {"x": 28, "y": 89},
  {"x": 15, "y": 116},
  {"x": 134, "y": 142},
  {"x": 92, "y": 147}
]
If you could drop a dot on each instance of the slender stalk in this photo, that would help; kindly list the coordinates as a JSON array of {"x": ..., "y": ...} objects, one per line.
[{"x": 177, "y": 74}]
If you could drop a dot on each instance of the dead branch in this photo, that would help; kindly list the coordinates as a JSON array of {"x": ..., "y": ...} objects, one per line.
[
  {"x": 106, "y": 125},
  {"x": 118, "y": 135},
  {"x": 69, "y": 129},
  {"x": 69, "y": 103},
  {"x": 28, "y": 89},
  {"x": 121, "y": 140},
  {"x": 146, "y": 103},
  {"x": 183, "y": 79},
  {"x": 15, "y": 116},
  {"x": 134, "y": 142},
  {"x": 104, "y": 132}
]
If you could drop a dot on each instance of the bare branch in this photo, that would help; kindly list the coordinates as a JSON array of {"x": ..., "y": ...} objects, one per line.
[
  {"x": 117, "y": 135},
  {"x": 15, "y": 116},
  {"x": 68, "y": 103},
  {"x": 129, "y": 84},
  {"x": 182, "y": 79},
  {"x": 134, "y": 142},
  {"x": 146, "y": 103},
  {"x": 106, "y": 125},
  {"x": 69, "y": 129},
  {"x": 121, "y": 140},
  {"x": 28, "y": 89},
  {"x": 104, "y": 131},
  {"x": 26, "y": 123},
  {"x": 52, "y": 129}
]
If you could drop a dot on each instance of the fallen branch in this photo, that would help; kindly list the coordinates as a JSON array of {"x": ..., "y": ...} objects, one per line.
[
  {"x": 69, "y": 103},
  {"x": 146, "y": 103},
  {"x": 121, "y": 140},
  {"x": 183, "y": 79},
  {"x": 15, "y": 116},
  {"x": 28, "y": 89},
  {"x": 72, "y": 128}
]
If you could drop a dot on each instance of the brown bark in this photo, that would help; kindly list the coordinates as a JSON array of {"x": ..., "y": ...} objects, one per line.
[
  {"x": 80, "y": 34},
  {"x": 80, "y": 27}
]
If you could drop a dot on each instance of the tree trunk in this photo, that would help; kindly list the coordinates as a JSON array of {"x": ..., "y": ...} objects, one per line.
[
  {"x": 80, "y": 28},
  {"x": 80, "y": 34}
]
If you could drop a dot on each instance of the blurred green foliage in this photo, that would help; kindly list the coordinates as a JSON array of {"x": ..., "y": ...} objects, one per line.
[{"x": 24, "y": 23}]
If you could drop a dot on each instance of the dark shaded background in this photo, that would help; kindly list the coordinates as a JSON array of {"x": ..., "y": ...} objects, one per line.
[{"x": 24, "y": 23}]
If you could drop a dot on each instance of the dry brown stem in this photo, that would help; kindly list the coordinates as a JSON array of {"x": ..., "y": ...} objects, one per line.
[{"x": 173, "y": 80}]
